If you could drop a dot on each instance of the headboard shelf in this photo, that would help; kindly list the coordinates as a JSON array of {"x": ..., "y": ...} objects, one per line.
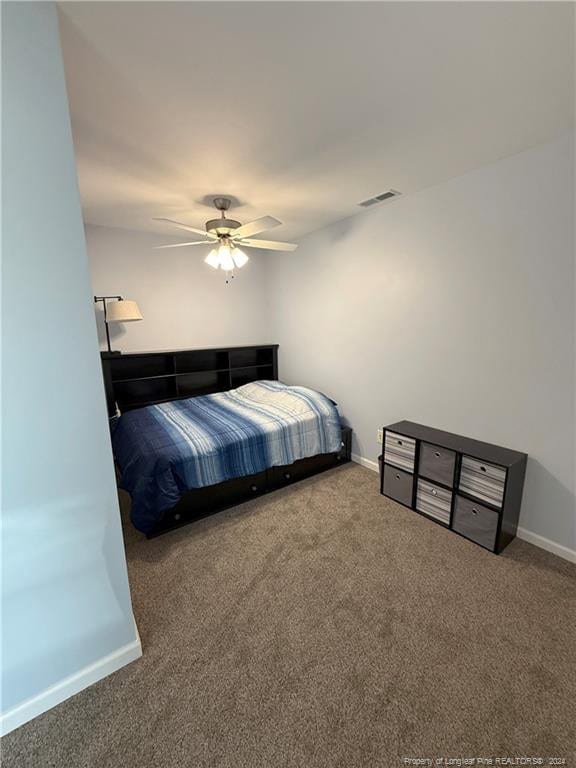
[
  {"x": 250, "y": 367},
  {"x": 202, "y": 360},
  {"x": 246, "y": 358},
  {"x": 148, "y": 378},
  {"x": 139, "y": 379}
]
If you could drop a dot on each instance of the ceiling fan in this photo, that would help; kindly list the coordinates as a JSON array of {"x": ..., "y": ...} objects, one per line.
[{"x": 226, "y": 235}]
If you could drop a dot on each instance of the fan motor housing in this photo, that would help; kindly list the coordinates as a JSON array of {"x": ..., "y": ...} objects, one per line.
[{"x": 222, "y": 226}]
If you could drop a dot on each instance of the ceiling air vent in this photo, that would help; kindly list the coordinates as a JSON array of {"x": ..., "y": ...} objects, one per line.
[{"x": 379, "y": 198}]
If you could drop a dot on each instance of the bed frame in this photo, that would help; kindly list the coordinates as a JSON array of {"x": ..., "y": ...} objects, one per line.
[{"x": 145, "y": 378}]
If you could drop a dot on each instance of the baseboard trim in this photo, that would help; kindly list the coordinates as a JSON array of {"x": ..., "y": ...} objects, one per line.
[
  {"x": 368, "y": 463},
  {"x": 532, "y": 538},
  {"x": 56, "y": 694},
  {"x": 550, "y": 546}
]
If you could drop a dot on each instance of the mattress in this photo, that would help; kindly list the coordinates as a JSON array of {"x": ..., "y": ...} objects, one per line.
[{"x": 164, "y": 450}]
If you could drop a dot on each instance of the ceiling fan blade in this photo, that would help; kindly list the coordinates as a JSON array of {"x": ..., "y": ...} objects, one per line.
[
  {"x": 269, "y": 245},
  {"x": 189, "y": 228},
  {"x": 181, "y": 245},
  {"x": 256, "y": 226}
]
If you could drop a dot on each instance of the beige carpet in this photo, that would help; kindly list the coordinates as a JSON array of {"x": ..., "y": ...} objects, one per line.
[{"x": 326, "y": 626}]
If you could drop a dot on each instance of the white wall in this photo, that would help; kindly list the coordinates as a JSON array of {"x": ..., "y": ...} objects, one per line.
[
  {"x": 67, "y": 615},
  {"x": 453, "y": 307},
  {"x": 185, "y": 303}
]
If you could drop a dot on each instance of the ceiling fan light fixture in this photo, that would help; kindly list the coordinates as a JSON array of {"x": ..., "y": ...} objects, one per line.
[
  {"x": 239, "y": 257},
  {"x": 226, "y": 261},
  {"x": 213, "y": 259},
  {"x": 226, "y": 234}
]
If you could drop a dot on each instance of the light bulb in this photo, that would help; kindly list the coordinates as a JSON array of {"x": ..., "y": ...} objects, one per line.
[
  {"x": 226, "y": 261},
  {"x": 239, "y": 257},
  {"x": 213, "y": 259}
]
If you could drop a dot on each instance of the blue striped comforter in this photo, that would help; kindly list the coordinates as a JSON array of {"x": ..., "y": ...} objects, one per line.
[{"x": 167, "y": 449}]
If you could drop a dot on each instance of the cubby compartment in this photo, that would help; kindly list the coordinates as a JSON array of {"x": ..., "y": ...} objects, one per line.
[
  {"x": 398, "y": 485},
  {"x": 140, "y": 392},
  {"x": 202, "y": 383},
  {"x": 202, "y": 360},
  {"x": 483, "y": 480},
  {"x": 126, "y": 367},
  {"x": 240, "y": 376},
  {"x": 399, "y": 451},
  {"x": 476, "y": 522},
  {"x": 251, "y": 356},
  {"x": 434, "y": 501},
  {"x": 437, "y": 464}
]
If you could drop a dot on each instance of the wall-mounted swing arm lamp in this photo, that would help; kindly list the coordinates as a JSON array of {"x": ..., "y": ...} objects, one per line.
[{"x": 121, "y": 311}]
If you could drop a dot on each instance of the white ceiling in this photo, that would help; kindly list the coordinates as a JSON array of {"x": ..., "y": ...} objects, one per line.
[{"x": 302, "y": 110}]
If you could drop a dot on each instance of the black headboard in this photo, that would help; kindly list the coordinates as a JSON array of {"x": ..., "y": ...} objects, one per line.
[{"x": 144, "y": 378}]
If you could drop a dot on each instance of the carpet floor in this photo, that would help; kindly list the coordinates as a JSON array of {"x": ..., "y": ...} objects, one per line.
[{"x": 325, "y": 626}]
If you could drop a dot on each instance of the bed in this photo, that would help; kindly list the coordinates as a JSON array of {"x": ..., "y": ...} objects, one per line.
[{"x": 183, "y": 458}]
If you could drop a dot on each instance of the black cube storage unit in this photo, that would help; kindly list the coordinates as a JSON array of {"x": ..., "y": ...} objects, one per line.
[{"x": 470, "y": 487}]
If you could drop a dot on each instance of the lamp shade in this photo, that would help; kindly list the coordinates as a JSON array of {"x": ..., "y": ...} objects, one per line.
[{"x": 123, "y": 311}]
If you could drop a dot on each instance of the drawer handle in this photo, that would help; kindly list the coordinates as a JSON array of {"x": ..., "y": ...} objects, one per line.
[
  {"x": 437, "y": 454},
  {"x": 434, "y": 492},
  {"x": 397, "y": 476},
  {"x": 287, "y": 475},
  {"x": 253, "y": 488},
  {"x": 482, "y": 469},
  {"x": 474, "y": 511},
  {"x": 177, "y": 516},
  {"x": 399, "y": 442},
  {"x": 341, "y": 445}
]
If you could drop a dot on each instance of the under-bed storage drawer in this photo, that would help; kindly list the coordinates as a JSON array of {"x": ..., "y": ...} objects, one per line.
[
  {"x": 482, "y": 480},
  {"x": 434, "y": 501},
  {"x": 291, "y": 473},
  {"x": 398, "y": 485},
  {"x": 476, "y": 522},
  {"x": 215, "y": 496},
  {"x": 399, "y": 451}
]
